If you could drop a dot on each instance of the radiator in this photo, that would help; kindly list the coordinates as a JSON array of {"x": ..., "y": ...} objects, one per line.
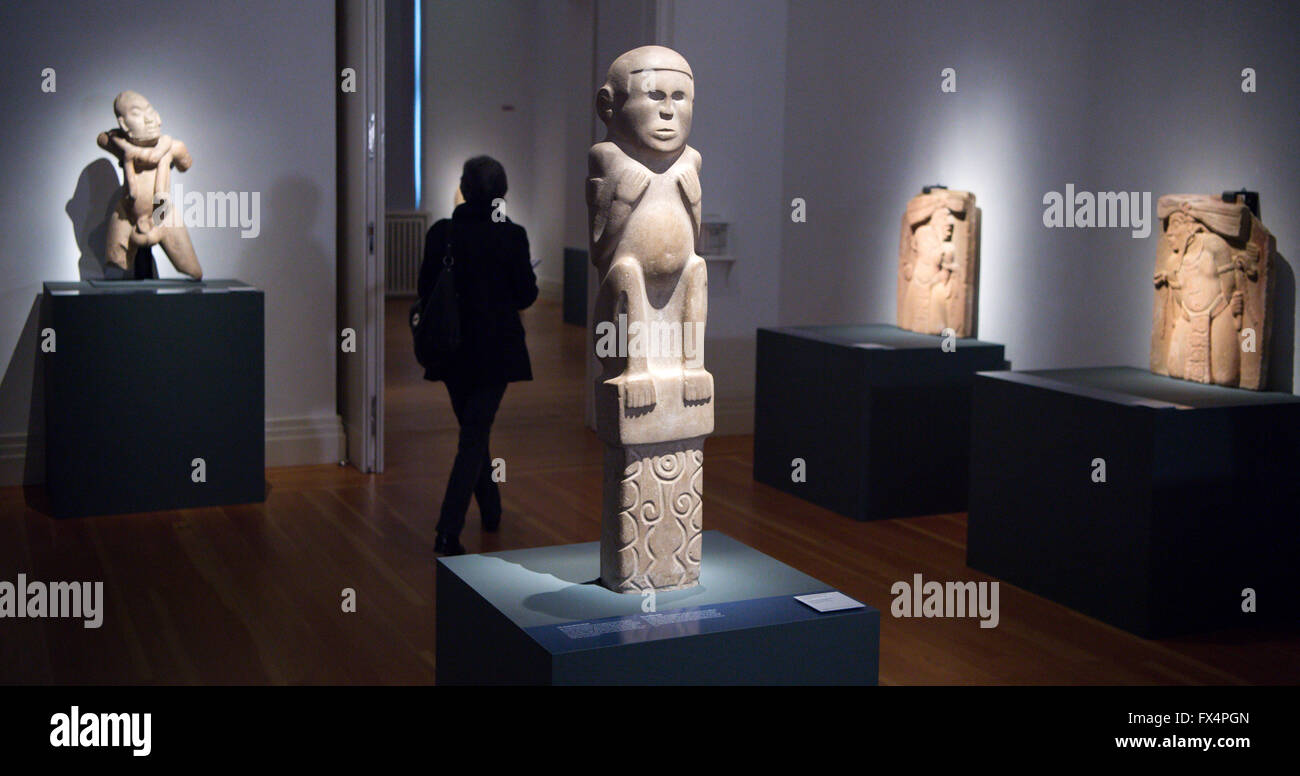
[{"x": 403, "y": 250}]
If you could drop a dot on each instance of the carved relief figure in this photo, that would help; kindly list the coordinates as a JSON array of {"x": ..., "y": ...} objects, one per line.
[
  {"x": 1213, "y": 282},
  {"x": 146, "y": 157},
  {"x": 653, "y": 395},
  {"x": 938, "y": 262}
]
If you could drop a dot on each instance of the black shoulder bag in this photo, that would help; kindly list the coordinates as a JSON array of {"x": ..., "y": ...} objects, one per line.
[{"x": 435, "y": 321}]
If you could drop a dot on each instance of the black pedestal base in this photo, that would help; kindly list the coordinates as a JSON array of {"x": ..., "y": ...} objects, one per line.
[
  {"x": 540, "y": 616},
  {"x": 151, "y": 386},
  {"x": 879, "y": 416},
  {"x": 1199, "y": 500}
]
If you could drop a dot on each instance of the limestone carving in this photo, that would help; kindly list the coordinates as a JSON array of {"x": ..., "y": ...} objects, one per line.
[
  {"x": 146, "y": 157},
  {"x": 938, "y": 263},
  {"x": 654, "y": 399},
  {"x": 1214, "y": 292}
]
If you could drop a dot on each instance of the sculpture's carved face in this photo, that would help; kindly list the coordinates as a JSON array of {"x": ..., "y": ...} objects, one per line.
[
  {"x": 139, "y": 120},
  {"x": 657, "y": 111},
  {"x": 943, "y": 223},
  {"x": 1176, "y": 231}
]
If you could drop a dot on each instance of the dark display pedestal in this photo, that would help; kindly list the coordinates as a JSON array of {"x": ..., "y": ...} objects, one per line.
[
  {"x": 1199, "y": 501},
  {"x": 879, "y": 415},
  {"x": 575, "y": 286},
  {"x": 146, "y": 377},
  {"x": 539, "y": 616}
]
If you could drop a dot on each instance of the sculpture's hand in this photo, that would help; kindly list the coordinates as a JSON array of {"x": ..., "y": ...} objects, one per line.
[
  {"x": 106, "y": 141},
  {"x": 638, "y": 391},
  {"x": 181, "y": 158},
  {"x": 126, "y": 150},
  {"x": 697, "y": 385},
  {"x": 689, "y": 181},
  {"x": 1238, "y": 306},
  {"x": 632, "y": 183},
  {"x": 599, "y": 193}
]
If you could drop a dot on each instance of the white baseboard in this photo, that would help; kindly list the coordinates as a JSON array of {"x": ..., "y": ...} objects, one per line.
[
  {"x": 13, "y": 461},
  {"x": 289, "y": 442},
  {"x": 305, "y": 441}
]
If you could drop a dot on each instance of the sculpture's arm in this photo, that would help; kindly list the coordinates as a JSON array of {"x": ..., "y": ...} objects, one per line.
[
  {"x": 688, "y": 180},
  {"x": 614, "y": 188},
  {"x": 697, "y": 384},
  {"x": 624, "y": 288},
  {"x": 108, "y": 142},
  {"x": 115, "y": 142},
  {"x": 948, "y": 259},
  {"x": 127, "y": 162},
  {"x": 181, "y": 158},
  {"x": 599, "y": 194},
  {"x": 947, "y": 266}
]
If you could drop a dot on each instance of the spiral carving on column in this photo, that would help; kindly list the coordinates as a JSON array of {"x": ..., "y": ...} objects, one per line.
[{"x": 663, "y": 481}]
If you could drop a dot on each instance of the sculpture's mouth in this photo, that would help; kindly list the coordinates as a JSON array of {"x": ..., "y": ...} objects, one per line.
[{"x": 664, "y": 133}]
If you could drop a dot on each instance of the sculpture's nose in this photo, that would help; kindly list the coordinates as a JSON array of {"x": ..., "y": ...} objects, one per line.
[{"x": 666, "y": 108}]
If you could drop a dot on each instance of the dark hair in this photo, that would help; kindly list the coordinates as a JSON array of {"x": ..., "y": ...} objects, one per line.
[{"x": 483, "y": 180}]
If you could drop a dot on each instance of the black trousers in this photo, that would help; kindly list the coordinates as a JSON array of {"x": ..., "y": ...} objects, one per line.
[{"x": 475, "y": 405}]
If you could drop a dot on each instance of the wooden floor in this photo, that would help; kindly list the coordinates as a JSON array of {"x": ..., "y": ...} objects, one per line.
[{"x": 251, "y": 594}]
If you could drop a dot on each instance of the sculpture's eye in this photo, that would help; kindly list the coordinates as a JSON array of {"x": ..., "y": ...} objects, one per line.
[
  {"x": 656, "y": 95},
  {"x": 679, "y": 95}
]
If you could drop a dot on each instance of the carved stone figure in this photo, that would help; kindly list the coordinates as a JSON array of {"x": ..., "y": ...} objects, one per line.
[
  {"x": 938, "y": 263},
  {"x": 1214, "y": 292},
  {"x": 654, "y": 399},
  {"x": 146, "y": 157}
]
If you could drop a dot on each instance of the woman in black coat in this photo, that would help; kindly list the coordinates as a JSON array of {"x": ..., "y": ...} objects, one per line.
[{"x": 494, "y": 281}]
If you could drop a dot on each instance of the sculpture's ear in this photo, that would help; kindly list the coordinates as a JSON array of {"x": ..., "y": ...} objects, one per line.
[
  {"x": 605, "y": 104},
  {"x": 121, "y": 123}
]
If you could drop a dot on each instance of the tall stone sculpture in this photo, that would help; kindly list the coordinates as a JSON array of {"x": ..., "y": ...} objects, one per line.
[
  {"x": 654, "y": 399},
  {"x": 146, "y": 157},
  {"x": 938, "y": 263},
  {"x": 1214, "y": 292}
]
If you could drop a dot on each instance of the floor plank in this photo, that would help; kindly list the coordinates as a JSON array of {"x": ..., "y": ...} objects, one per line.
[{"x": 252, "y": 593}]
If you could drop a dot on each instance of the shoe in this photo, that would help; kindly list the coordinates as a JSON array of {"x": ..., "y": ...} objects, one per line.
[
  {"x": 445, "y": 544},
  {"x": 492, "y": 525}
]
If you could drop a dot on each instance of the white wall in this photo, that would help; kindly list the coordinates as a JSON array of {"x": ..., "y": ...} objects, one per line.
[
  {"x": 538, "y": 57},
  {"x": 251, "y": 90},
  {"x": 479, "y": 59},
  {"x": 737, "y": 52},
  {"x": 1106, "y": 95},
  {"x": 838, "y": 102}
]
